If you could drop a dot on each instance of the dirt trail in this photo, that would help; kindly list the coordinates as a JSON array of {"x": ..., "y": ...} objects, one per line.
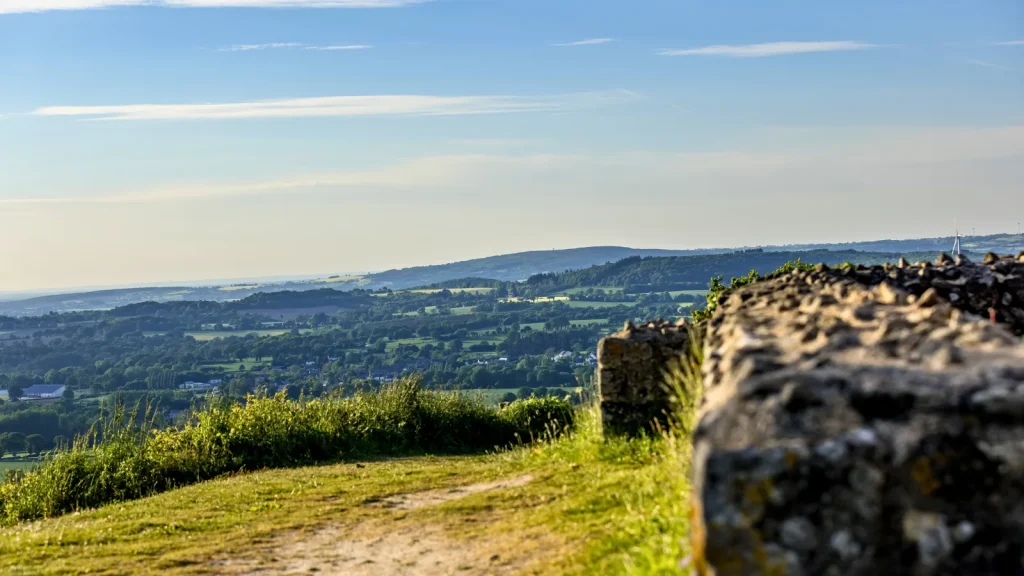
[
  {"x": 442, "y": 495},
  {"x": 422, "y": 550}
]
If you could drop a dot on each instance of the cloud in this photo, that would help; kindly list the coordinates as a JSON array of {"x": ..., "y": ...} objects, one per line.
[
  {"x": 340, "y": 106},
  {"x": 275, "y": 45},
  {"x": 340, "y": 47},
  {"x": 252, "y": 47},
  {"x": 588, "y": 42},
  {"x": 769, "y": 49},
  {"x": 21, "y": 6},
  {"x": 985, "y": 64},
  {"x": 1010, "y": 43}
]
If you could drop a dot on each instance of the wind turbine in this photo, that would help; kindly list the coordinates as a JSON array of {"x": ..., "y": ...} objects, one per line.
[{"x": 956, "y": 243}]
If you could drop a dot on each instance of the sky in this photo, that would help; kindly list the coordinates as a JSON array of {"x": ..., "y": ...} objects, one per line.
[{"x": 148, "y": 141}]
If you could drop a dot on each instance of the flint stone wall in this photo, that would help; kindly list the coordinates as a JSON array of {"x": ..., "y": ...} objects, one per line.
[
  {"x": 631, "y": 367},
  {"x": 866, "y": 421}
]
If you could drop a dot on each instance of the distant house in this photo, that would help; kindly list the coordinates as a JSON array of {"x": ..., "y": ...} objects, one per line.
[
  {"x": 197, "y": 386},
  {"x": 42, "y": 391},
  {"x": 563, "y": 355}
]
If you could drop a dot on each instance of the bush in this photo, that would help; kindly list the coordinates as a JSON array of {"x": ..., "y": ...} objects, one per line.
[
  {"x": 122, "y": 460},
  {"x": 534, "y": 417}
]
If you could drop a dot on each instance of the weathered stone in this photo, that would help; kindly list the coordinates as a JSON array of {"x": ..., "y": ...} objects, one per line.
[
  {"x": 881, "y": 434},
  {"x": 631, "y": 375}
]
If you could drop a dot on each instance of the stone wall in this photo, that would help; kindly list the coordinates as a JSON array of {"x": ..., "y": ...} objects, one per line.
[
  {"x": 866, "y": 421},
  {"x": 631, "y": 367}
]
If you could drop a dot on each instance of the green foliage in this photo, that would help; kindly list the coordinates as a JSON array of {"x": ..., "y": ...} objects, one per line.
[
  {"x": 717, "y": 289},
  {"x": 122, "y": 459},
  {"x": 532, "y": 415}
]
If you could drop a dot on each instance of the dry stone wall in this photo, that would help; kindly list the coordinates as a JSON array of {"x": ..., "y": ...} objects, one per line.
[
  {"x": 866, "y": 421},
  {"x": 631, "y": 367}
]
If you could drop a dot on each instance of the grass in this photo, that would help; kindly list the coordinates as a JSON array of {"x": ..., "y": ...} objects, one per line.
[
  {"x": 206, "y": 335},
  {"x": 594, "y": 506},
  {"x": 479, "y": 290},
  {"x": 21, "y": 464},
  {"x": 122, "y": 461},
  {"x": 236, "y": 366},
  {"x": 607, "y": 289},
  {"x": 582, "y": 304},
  {"x": 391, "y": 345},
  {"x": 492, "y": 396},
  {"x": 675, "y": 293}
]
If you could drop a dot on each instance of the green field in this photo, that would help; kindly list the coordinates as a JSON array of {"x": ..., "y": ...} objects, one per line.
[
  {"x": 247, "y": 362},
  {"x": 454, "y": 290},
  {"x": 407, "y": 341},
  {"x": 580, "y": 304},
  {"x": 205, "y": 335},
  {"x": 23, "y": 463},
  {"x": 459, "y": 311},
  {"x": 675, "y": 293},
  {"x": 495, "y": 395},
  {"x": 606, "y": 289}
]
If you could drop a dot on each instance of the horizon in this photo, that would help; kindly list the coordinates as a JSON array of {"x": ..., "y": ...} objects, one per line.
[
  {"x": 149, "y": 139},
  {"x": 281, "y": 279}
]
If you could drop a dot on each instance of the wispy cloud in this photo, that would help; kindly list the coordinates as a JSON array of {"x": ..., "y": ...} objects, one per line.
[
  {"x": 276, "y": 45},
  {"x": 340, "y": 47},
  {"x": 21, "y": 6},
  {"x": 769, "y": 49},
  {"x": 985, "y": 64},
  {"x": 1010, "y": 43},
  {"x": 252, "y": 47},
  {"x": 339, "y": 106},
  {"x": 588, "y": 42}
]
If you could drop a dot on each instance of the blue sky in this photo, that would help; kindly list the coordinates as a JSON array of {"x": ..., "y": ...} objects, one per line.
[{"x": 159, "y": 140}]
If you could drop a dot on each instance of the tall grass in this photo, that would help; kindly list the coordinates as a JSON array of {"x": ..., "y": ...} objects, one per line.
[{"x": 122, "y": 459}]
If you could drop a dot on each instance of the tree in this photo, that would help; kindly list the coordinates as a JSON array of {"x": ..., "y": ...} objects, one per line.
[
  {"x": 509, "y": 397},
  {"x": 15, "y": 392},
  {"x": 14, "y": 442},
  {"x": 34, "y": 443}
]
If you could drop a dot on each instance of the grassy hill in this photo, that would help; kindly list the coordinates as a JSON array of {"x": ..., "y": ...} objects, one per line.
[{"x": 574, "y": 505}]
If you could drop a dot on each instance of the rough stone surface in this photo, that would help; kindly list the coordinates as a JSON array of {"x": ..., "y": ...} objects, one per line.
[
  {"x": 631, "y": 368},
  {"x": 865, "y": 421}
]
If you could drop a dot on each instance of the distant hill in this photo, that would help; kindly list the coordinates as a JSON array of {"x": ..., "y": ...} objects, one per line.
[
  {"x": 520, "y": 266},
  {"x": 998, "y": 243},
  {"x": 642, "y": 275},
  {"x": 505, "y": 268}
]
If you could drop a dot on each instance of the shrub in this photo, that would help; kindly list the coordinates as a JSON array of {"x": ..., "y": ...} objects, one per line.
[{"x": 122, "y": 459}]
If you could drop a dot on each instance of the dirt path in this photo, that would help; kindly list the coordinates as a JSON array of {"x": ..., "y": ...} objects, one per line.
[
  {"x": 440, "y": 496},
  {"x": 422, "y": 550}
]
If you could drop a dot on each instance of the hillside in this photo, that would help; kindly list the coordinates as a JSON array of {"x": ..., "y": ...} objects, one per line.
[
  {"x": 576, "y": 505},
  {"x": 505, "y": 268}
]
